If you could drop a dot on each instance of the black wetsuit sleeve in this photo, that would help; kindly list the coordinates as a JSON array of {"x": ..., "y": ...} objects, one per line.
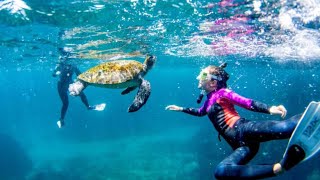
[
  {"x": 56, "y": 69},
  {"x": 194, "y": 111},
  {"x": 259, "y": 107}
]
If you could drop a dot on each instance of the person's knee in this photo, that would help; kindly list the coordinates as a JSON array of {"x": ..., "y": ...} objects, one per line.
[
  {"x": 285, "y": 128},
  {"x": 220, "y": 171}
]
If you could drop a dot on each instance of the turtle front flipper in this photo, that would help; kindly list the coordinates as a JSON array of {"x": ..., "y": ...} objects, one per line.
[
  {"x": 141, "y": 96},
  {"x": 129, "y": 89}
]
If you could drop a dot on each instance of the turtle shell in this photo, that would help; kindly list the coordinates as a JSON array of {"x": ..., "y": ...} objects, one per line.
[{"x": 113, "y": 72}]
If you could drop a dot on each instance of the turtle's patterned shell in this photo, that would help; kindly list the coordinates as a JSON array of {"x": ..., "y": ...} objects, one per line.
[{"x": 114, "y": 72}]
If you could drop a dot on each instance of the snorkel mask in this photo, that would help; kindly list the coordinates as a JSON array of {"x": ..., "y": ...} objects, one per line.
[
  {"x": 66, "y": 53},
  {"x": 204, "y": 76},
  {"x": 212, "y": 77},
  {"x": 222, "y": 77}
]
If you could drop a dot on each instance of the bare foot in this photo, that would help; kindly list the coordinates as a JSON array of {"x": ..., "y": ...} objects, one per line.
[{"x": 277, "y": 169}]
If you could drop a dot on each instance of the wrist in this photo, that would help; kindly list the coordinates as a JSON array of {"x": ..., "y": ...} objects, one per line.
[{"x": 270, "y": 110}]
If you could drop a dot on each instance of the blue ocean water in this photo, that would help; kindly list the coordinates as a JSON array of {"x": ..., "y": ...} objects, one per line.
[{"x": 273, "y": 54}]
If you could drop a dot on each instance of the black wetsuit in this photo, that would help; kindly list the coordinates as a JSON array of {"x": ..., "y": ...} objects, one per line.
[
  {"x": 242, "y": 135},
  {"x": 66, "y": 72}
]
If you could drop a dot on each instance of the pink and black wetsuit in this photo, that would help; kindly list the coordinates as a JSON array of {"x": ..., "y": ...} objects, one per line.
[{"x": 243, "y": 136}]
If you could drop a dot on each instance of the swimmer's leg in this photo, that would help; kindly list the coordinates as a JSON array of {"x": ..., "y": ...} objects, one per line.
[
  {"x": 63, "y": 93},
  {"x": 261, "y": 131},
  {"x": 234, "y": 166},
  {"x": 84, "y": 100}
]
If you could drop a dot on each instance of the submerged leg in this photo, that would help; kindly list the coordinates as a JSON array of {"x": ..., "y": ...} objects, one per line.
[
  {"x": 261, "y": 131},
  {"x": 84, "y": 100},
  {"x": 128, "y": 90},
  {"x": 98, "y": 107},
  {"x": 63, "y": 93},
  {"x": 270, "y": 130},
  {"x": 234, "y": 166},
  {"x": 141, "y": 96}
]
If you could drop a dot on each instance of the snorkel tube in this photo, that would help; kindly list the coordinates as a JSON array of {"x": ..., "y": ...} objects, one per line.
[
  {"x": 223, "y": 65},
  {"x": 200, "y": 96},
  {"x": 218, "y": 78}
]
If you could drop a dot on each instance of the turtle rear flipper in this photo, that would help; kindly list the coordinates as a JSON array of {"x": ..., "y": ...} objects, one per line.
[
  {"x": 141, "y": 96},
  {"x": 129, "y": 89}
]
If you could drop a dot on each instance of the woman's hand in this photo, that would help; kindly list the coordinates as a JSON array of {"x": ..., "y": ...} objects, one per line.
[
  {"x": 281, "y": 110},
  {"x": 174, "y": 108}
]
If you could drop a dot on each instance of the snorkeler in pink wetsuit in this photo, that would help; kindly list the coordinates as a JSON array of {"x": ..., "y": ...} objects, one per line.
[{"x": 242, "y": 135}]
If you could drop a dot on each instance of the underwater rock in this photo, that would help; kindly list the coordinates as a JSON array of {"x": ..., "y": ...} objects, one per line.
[{"x": 15, "y": 163}]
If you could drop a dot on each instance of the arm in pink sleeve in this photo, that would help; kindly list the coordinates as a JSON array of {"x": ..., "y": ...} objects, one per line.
[{"x": 245, "y": 102}]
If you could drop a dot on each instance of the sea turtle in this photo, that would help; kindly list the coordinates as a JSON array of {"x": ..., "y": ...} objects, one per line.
[{"x": 118, "y": 74}]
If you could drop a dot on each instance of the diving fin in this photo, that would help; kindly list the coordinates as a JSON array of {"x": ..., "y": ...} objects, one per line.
[
  {"x": 99, "y": 107},
  {"x": 305, "y": 139}
]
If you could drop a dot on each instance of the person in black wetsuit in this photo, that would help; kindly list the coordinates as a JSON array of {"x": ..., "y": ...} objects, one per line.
[
  {"x": 65, "y": 71},
  {"x": 242, "y": 135}
]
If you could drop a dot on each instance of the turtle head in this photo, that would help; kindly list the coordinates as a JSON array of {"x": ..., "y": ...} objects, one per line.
[{"x": 150, "y": 61}]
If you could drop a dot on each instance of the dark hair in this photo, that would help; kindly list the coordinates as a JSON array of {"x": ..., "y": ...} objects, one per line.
[
  {"x": 65, "y": 51},
  {"x": 220, "y": 72}
]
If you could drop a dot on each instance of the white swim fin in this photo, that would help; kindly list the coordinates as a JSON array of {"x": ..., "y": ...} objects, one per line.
[
  {"x": 99, "y": 107},
  {"x": 305, "y": 139}
]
